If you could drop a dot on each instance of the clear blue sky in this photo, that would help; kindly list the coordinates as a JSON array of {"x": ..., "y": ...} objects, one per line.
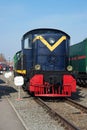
[{"x": 20, "y": 16}]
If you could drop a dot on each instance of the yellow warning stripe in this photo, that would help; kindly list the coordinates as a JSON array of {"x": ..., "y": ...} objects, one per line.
[{"x": 21, "y": 71}]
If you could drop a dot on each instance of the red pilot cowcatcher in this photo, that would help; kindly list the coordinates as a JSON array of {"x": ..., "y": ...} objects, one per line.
[{"x": 41, "y": 88}]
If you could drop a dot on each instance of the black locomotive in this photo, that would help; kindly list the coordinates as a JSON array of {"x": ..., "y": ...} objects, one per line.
[{"x": 44, "y": 63}]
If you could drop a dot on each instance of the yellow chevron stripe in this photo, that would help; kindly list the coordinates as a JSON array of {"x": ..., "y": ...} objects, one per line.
[{"x": 51, "y": 48}]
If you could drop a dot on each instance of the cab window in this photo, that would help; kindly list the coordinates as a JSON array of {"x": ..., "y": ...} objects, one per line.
[{"x": 27, "y": 43}]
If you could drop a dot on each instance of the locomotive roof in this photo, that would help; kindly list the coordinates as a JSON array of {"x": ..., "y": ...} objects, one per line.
[{"x": 45, "y": 29}]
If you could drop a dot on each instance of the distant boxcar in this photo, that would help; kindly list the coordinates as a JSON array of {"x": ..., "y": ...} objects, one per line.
[{"x": 78, "y": 59}]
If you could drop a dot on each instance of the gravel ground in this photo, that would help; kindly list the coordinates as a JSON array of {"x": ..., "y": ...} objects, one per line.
[{"x": 32, "y": 114}]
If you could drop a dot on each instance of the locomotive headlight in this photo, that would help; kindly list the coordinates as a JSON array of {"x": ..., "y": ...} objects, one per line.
[
  {"x": 51, "y": 40},
  {"x": 37, "y": 67},
  {"x": 69, "y": 68}
]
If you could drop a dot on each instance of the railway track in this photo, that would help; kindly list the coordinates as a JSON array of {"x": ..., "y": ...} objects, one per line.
[
  {"x": 71, "y": 111},
  {"x": 65, "y": 123},
  {"x": 65, "y": 112}
]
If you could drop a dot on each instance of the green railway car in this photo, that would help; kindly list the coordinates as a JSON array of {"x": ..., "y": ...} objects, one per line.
[
  {"x": 18, "y": 64},
  {"x": 78, "y": 59}
]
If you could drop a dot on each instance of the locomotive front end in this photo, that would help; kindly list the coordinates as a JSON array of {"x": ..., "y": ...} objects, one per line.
[{"x": 49, "y": 75}]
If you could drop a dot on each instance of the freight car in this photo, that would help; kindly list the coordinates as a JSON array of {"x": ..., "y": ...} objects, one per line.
[
  {"x": 78, "y": 59},
  {"x": 44, "y": 63}
]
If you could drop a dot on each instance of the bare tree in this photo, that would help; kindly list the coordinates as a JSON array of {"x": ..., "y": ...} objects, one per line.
[{"x": 2, "y": 58}]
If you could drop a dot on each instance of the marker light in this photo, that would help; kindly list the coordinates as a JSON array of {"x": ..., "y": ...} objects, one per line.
[
  {"x": 69, "y": 68},
  {"x": 37, "y": 67}
]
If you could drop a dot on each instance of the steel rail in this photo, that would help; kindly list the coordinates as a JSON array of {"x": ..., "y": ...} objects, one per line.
[
  {"x": 77, "y": 105},
  {"x": 67, "y": 125}
]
